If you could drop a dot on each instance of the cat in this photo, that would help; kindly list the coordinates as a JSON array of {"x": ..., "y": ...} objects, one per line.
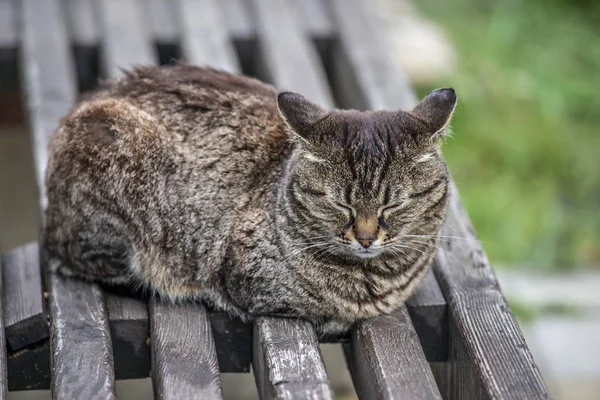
[{"x": 204, "y": 185}]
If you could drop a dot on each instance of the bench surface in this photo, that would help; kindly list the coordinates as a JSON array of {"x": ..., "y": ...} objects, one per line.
[{"x": 76, "y": 338}]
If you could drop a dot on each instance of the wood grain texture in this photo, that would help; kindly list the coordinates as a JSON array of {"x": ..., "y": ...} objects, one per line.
[
  {"x": 80, "y": 338},
  {"x": 428, "y": 310},
  {"x": 205, "y": 39},
  {"x": 387, "y": 362},
  {"x": 125, "y": 36},
  {"x": 25, "y": 321},
  {"x": 184, "y": 360},
  {"x": 82, "y": 357},
  {"x": 488, "y": 354},
  {"x": 3, "y": 356},
  {"x": 286, "y": 361},
  {"x": 286, "y": 56}
]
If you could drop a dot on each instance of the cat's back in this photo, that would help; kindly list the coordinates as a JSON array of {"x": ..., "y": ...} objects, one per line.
[
  {"x": 159, "y": 159},
  {"x": 206, "y": 123}
]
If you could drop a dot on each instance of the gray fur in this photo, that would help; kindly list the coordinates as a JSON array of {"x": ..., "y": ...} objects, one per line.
[{"x": 199, "y": 184}]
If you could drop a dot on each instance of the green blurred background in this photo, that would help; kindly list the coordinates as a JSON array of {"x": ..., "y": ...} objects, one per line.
[{"x": 527, "y": 128}]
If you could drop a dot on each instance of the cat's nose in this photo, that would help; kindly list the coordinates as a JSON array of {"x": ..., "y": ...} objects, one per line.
[{"x": 366, "y": 243}]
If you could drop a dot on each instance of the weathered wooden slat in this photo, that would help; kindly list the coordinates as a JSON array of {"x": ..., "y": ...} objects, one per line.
[
  {"x": 286, "y": 56},
  {"x": 286, "y": 360},
  {"x": 80, "y": 338},
  {"x": 162, "y": 17},
  {"x": 315, "y": 19},
  {"x": 48, "y": 77},
  {"x": 488, "y": 354},
  {"x": 3, "y": 356},
  {"x": 129, "y": 328},
  {"x": 184, "y": 360},
  {"x": 387, "y": 362},
  {"x": 428, "y": 310},
  {"x": 241, "y": 26},
  {"x": 126, "y": 42},
  {"x": 85, "y": 37},
  {"x": 82, "y": 22},
  {"x": 205, "y": 39},
  {"x": 364, "y": 58},
  {"x": 82, "y": 357},
  {"x": 125, "y": 37},
  {"x": 279, "y": 33},
  {"x": 8, "y": 24},
  {"x": 239, "y": 19},
  {"x": 24, "y": 318}
]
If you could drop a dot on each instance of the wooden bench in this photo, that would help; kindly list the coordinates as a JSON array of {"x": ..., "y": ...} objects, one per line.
[{"x": 455, "y": 338}]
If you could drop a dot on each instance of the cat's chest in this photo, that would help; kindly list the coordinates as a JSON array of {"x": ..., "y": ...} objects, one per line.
[{"x": 358, "y": 294}]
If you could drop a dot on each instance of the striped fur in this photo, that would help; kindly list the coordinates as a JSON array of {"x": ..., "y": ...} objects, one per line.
[{"x": 199, "y": 184}]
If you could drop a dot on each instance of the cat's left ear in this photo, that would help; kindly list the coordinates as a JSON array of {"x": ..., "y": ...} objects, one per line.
[
  {"x": 436, "y": 110},
  {"x": 299, "y": 113}
]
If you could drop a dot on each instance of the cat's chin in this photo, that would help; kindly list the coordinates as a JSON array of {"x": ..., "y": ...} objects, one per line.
[{"x": 367, "y": 254}]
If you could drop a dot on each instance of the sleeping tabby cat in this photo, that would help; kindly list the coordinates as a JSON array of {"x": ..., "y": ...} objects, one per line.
[{"x": 200, "y": 184}]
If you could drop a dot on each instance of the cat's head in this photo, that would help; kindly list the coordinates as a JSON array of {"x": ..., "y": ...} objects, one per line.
[{"x": 364, "y": 184}]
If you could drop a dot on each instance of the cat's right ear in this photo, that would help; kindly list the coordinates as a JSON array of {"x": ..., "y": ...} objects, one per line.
[{"x": 299, "y": 113}]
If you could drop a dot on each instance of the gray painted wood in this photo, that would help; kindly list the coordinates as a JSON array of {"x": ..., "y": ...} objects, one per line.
[
  {"x": 387, "y": 362},
  {"x": 82, "y": 22},
  {"x": 8, "y": 24},
  {"x": 366, "y": 74},
  {"x": 48, "y": 79},
  {"x": 125, "y": 36},
  {"x": 205, "y": 39},
  {"x": 25, "y": 321},
  {"x": 3, "y": 358},
  {"x": 80, "y": 338},
  {"x": 286, "y": 360},
  {"x": 315, "y": 18},
  {"x": 126, "y": 42},
  {"x": 488, "y": 353},
  {"x": 82, "y": 357},
  {"x": 428, "y": 310},
  {"x": 280, "y": 35},
  {"x": 286, "y": 56},
  {"x": 130, "y": 332},
  {"x": 84, "y": 33},
  {"x": 184, "y": 360},
  {"x": 239, "y": 19},
  {"x": 162, "y": 17}
]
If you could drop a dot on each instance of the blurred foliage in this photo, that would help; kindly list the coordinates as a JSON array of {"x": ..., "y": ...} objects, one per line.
[
  {"x": 527, "y": 127},
  {"x": 526, "y": 312}
]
